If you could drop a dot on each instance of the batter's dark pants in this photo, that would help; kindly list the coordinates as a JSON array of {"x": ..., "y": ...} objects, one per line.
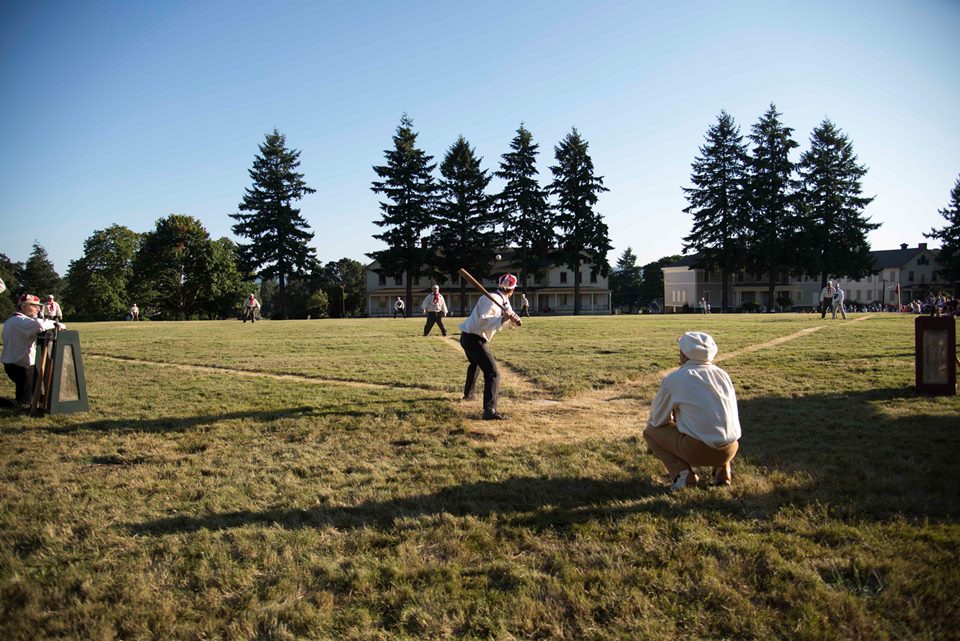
[
  {"x": 22, "y": 377},
  {"x": 402, "y": 312},
  {"x": 434, "y": 317},
  {"x": 825, "y": 304},
  {"x": 251, "y": 315},
  {"x": 475, "y": 347}
]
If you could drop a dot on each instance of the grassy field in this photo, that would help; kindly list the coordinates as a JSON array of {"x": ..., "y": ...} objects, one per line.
[{"x": 321, "y": 480}]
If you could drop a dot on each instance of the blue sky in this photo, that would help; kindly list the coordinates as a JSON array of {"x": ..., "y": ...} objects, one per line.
[{"x": 125, "y": 112}]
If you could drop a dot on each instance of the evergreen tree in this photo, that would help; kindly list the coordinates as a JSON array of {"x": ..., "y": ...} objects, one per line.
[
  {"x": 38, "y": 276},
  {"x": 949, "y": 237},
  {"x": 465, "y": 235},
  {"x": 523, "y": 210},
  {"x": 97, "y": 282},
  {"x": 171, "y": 271},
  {"x": 834, "y": 239},
  {"x": 626, "y": 280},
  {"x": 407, "y": 184},
  {"x": 8, "y": 273},
  {"x": 771, "y": 232},
  {"x": 577, "y": 189},
  {"x": 277, "y": 231},
  {"x": 717, "y": 203}
]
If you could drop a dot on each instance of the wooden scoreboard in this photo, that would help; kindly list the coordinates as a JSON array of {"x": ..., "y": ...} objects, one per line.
[{"x": 936, "y": 355}]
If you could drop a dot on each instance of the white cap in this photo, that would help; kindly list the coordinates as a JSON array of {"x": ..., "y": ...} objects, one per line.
[{"x": 698, "y": 346}]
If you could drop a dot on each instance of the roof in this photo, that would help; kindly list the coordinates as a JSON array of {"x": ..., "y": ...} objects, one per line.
[{"x": 883, "y": 258}]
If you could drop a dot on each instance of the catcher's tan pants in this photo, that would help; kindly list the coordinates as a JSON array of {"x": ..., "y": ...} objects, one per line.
[{"x": 681, "y": 452}]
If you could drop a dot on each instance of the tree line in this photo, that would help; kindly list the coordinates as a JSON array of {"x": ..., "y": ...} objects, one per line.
[{"x": 434, "y": 225}]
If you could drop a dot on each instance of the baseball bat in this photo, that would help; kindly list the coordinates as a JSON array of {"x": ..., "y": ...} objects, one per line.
[{"x": 483, "y": 290}]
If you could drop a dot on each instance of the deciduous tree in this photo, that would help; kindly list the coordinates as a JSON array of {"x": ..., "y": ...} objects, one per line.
[
  {"x": 97, "y": 283},
  {"x": 172, "y": 268}
]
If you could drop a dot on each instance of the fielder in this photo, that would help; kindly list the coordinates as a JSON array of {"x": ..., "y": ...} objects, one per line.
[
  {"x": 252, "y": 307},
  {"x": 435, "y": 308},
  {"x": 694, "y": 418},
  {"x": 486, "y": 319},
  {"x": 838, "y": 297},
  {"x": 51, "y": 310},
  {"x": 826, "y": 299}
]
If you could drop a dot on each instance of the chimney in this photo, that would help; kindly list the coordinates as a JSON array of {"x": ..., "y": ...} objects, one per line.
[
  {"x": 923, "y": 245},
  {"x": 903, "y": 245}
]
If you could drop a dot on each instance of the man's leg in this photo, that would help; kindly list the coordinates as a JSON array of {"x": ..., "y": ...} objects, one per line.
[
  {"x": 22, "y": 378},
  {"x": 431, "y": 319},
  {"x": 443, "y": 330},
  {"x": 823, "y": 308},
  {"x": 467, "y": 343},
  {"x": 479, "y": 355},
  {"x": 680, "y": 452},
  {"x": 843, "y": 311}
]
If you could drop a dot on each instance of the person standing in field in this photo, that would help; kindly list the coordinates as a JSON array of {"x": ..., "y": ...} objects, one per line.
[
  {"x": 20, "y": 346},
  {"x": 826, "y": 299},
  {"x": 252, "y": 309},
  {"x": 399, "y": 307},
  {"x": 3, "y": 286},
  {"x": 524, "y": 305},
  {"x": 838, "y": 297},
  {"x": 435, "y": 308},
  {"x": 694, "y": 418},
  {"x": 486, "y": 319},
  {"x": 134, "y": 312},
  {"x": 51, "y": 309}
]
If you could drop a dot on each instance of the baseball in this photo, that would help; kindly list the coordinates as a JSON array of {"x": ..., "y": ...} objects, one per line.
[{"x": 497, "y": 256}]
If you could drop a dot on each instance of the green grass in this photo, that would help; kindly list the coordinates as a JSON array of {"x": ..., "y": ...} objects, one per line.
[{"x": 200, "y": 504}]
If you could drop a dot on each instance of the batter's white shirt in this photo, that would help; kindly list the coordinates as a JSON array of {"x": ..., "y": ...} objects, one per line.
[
  {"x": 486, "y": 319},
  {"x": 20, "y": 339},
  {"x": 701, "y": 399}
]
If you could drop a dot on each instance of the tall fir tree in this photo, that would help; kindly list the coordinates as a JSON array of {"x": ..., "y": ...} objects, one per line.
[
  {"x": 772, "y": 187},
  {"x": 38, "y": 276},
  {"x": 626, "y": 280},
  {"x": 97, "y": 283},
  {"x": 582, "y": 229},
  {"x": 8, "y": 274},
  {"x": 464, "y": 220},
  {"x": 277, "y": 232},
  {"x": 834, "y": 237},
  {"x": 717, "y": 202},
  {"x": 523, "y": 208},
  {"x": 407, "y": 184},
  {"x": 949, "y": 237}
]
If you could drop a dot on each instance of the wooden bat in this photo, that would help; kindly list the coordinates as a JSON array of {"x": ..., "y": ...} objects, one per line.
[{"x": 483, "y": 290}]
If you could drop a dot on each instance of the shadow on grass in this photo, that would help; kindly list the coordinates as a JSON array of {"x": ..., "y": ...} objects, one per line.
[
  {"x": 186, "y": 423},
  {"x": 847, "y": 452}
]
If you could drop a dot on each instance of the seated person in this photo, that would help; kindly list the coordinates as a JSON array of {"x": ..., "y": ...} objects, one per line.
[{"x": 694, "y": 418}]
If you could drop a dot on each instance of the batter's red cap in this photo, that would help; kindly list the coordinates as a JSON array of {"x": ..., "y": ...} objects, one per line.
[
  {"x": 29, "y": 299},
  {"x": 507, "y": 281}
]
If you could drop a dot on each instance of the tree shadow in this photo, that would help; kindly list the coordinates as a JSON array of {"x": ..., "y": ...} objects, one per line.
[
  {"x": 857, "y": 454},
  {"x": 175, "y": 424}
]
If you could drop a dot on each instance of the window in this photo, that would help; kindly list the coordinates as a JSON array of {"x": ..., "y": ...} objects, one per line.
[
  {"x": 382, "y": 279},
  {"x": 398, "y": 280},
  {"x": 416, "y": 281},
  {"x": 910, "y": 276},
  {"x": 593, "y": 277},
  {"x": 892, "y": 275},
  {"x": 563, "y": 277},
  {"x": 923, "y": 260},
  {"x": 706, "y": 276}
]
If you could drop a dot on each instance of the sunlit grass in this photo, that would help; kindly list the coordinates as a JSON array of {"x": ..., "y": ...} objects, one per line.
[{"x": 200, "y": 504}]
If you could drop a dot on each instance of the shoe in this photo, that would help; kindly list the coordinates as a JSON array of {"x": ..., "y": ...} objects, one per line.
[
  {"x": 494, "y": 416},
  {"x": 468, "y": 397},
  {"x": 722, "y": 475},
  {"x": 686, "y": 478}
]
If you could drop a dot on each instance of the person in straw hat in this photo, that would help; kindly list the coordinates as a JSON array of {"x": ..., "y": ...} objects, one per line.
[{"x": 20, "y": 345}]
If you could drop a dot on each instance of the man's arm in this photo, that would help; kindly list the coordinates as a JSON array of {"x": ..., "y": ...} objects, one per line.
[{"x": 661, "y": 410}]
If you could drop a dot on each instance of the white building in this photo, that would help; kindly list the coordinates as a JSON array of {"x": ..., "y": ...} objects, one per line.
[
  {"x": 552, "y": 294},
  {"x": 913, "y": 269}
]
